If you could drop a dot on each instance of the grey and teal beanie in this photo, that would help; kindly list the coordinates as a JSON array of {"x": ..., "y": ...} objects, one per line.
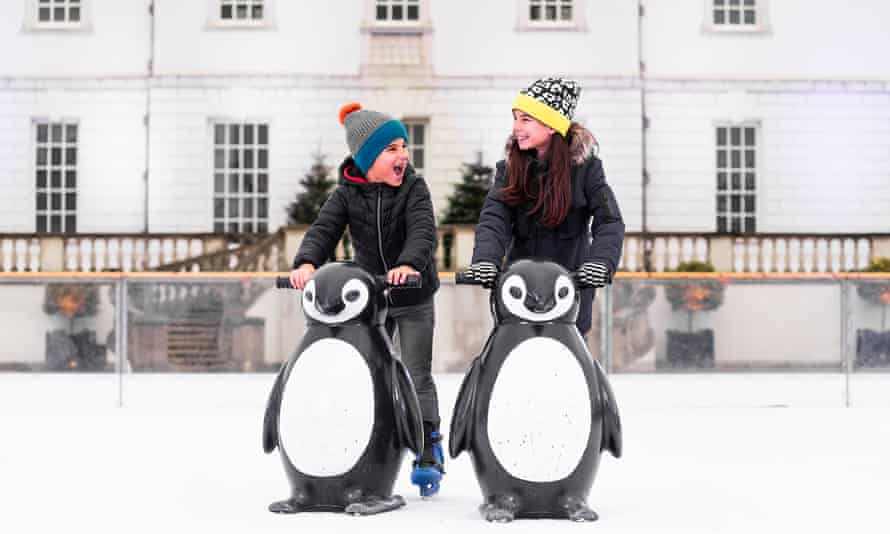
[{"x": 368, "y": 133}]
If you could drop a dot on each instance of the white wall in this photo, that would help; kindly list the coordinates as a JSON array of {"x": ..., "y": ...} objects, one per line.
[
  {"x": 472, "y": 38},
  {"x": 303, "y": 37},
  {"x": 113, "y": 42},
  {"x": 806, "y": 40},
  {"x": 824, "y": 157}
]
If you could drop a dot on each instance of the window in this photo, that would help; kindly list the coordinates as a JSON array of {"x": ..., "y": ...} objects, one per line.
[
  {"x": 736, "y": 15},
  {"x": 551, "y": 15},
  {"x": 240, "y": 177},
  {"x": 736, "y": 178},
  {"x": 241, "y": 10},
  {"x": 417, "y": 136},
  {"x": 56, "y": 177},
  {"x": 397, "y": 11},
  {"x": 550, "y": 11},
  {"x": 58, "y": 13}
]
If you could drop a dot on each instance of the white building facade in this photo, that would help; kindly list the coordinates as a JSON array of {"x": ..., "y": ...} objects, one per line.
[{"x": 713, "y": 116}]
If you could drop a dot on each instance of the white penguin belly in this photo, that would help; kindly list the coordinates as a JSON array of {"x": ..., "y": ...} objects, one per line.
[
  {"x": 327, "y": 409},
  {"x": 539, "y": 412}
]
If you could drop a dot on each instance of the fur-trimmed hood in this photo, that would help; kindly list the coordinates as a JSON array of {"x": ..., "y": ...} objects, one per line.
[{"x": 582, "y": 144}]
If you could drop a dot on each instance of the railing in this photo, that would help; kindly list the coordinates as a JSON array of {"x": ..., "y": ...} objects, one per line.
[{"x": 655, "y": 252}]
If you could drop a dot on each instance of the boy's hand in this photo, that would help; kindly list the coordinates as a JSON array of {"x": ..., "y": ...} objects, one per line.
[
  {"x": 300, "y": 276},
  {"x": 397, "y": 276}
]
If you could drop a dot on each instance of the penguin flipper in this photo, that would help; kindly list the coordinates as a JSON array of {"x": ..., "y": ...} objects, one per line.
[
  {"x": 461, "y": 418},
  {"x": 409, "y": 421},
  {"x": 273, "y": 408},
  {"x": 611, "y": 421}
]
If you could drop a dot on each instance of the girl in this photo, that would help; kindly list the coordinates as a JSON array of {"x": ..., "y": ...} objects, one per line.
[{"x": 545, "y": 194}]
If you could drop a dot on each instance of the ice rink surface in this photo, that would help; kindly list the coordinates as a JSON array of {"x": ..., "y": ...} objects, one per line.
[{"x": 708, "y": 453}]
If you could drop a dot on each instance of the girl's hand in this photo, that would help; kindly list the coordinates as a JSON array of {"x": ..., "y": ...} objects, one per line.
[{"x": 397, "y": 276}]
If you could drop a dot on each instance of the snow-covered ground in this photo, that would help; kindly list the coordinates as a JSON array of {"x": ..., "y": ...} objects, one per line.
[{"x": 746, "y": 453}]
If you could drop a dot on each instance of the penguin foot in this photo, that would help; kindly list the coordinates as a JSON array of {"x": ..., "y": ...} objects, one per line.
[
  {"x": 500, "y": 508},
  {"x": 371, "y": 505},
  {"x": 290, "y": 506},
  {"x": 577, "y": 510}
]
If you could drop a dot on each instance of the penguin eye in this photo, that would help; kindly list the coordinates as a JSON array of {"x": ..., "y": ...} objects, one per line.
[
  {"x": 515, "y": 292},
  {"x": 352, "y": 295},
  {"x": 308, "y": 295},
  {"x": 563, "y": 292}
]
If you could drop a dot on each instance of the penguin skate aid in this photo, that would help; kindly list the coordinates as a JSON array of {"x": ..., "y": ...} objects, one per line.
[
  {"x": 343, "y": 409},
  {"x": 535, "y": 410}
]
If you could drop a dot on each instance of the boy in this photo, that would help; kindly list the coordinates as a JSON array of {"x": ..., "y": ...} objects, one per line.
[{"x": 391, "y": 222}]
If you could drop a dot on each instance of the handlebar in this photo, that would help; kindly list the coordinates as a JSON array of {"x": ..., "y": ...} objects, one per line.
[
  {"x": 466, "y": 278},
  {"x": 412, "y": 281}
]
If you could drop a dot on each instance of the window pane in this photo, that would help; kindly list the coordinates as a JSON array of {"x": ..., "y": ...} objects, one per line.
[
  {"x": 56, "y": 156},
  {"x": 736, "y": 181},
  {"x": 219, "y": 183},
  {"x": 71, "y": 179},
  {"x": 735, "y": 203},
  {"x": 71, "y": 133},
  {"x": 41, "y": 178},
  {"x": 736, "y": 226},
  {"x": 248, "y": 158},
  {"x": 42, "y": 133},
  {"x": 219, "y": 159},
  {"x": 719, "y": 2},
  {"x": 233, "y": 183},
  {"x": 721, "y": 224},
  {"x": 721, "y": 181},
  {"x": 71, "y": 156},
  {"x": 262, "y": 228},
  {"x": 749, "y": 16},
  {"x": 397, "y": 12},
  {"x": 413, "y": 13},
  {"x": 749, "y": 225},
  {"x": 219, "y": 227},
  {"x": 234, "y": 138},
  {"x": 721, "y": 158},
  {"x": 70, "y": 224},
  {"x": 55, "y": 179},
  {"x": 719, "y": 17},
  {"x": 219, "y": 134},
  {"x": 749, "y": 2},
  {"x": 41, "y": 201},
  {"x": 233, "y": 159},
  {"x": 241, "y": 12},
  {"x": 248, "y": 207},
  {"x": 733, "y": 2},
  {"x": 248, "y": 134},
  {"x": 381, "y": 12},
  {"x": 55, "y": 224},
  {"x": 41, "y": 156},
  {"x": 55, "y": 133},
  {"x": 749, "y": 203},
  {"x": 262, "y": 210},
  {"x": 55, "y": 201},
  {"x": 736, "y": 159},
  {"x": 59, "y": 14},
  {"x": 721, "y": 204},
  {"x": 263, "y": 131},
  {"x": 41, "y": 224},
  {"x": 749, "y": 159},
  {"x": 70, "y": 201},
  {"x": 721, "y": 136},
  {"x": 226, "y": 12},
  {"x": 247, "y": 227},
  {"x": 219, "y": 208},
  {"x": 44, "y": 14},
  {"x": 248, "y": 183},
  {"x": 734, "y": 19},
  {"x": 550, "y": 12},
  {"x": 418, "y": 159},
  {"x": 74, "y": 14},
  {"x": 256, "y": 13},
  {"x": 566, "y": 12},
  {"x": 735, "y": 136},
  {"x": 233, "y": 207},
  {"x": 262, "y": 159},
  {"x": 233, "y": 227},
  {"x": 417, "y": 135},
  {"x": 262, "y": 183},
  {"x": 534, "y": 13},
  {"x": 749, "y": 136},
  {"x": 749, "y": 181}
]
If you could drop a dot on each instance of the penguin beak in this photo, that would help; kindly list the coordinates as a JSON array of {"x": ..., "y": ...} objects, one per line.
[
  {"x": 331, "y": 306},
  {"x": 538, "y": 304}
]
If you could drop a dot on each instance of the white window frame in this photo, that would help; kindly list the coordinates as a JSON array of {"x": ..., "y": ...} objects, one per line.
[
  {"x": 48, "y": 167},
  {"x": 421, "y": 25},
  {"x": 410, "y": 124},
  {"x": 226, "y": 173},
  {"x": 524, "y": 21},
  {"x": 761, "y": 15},
  {"x": 743, "y": 189},
  {"x": 215, "y": 21},
  {"x": 32, "y": 22}
]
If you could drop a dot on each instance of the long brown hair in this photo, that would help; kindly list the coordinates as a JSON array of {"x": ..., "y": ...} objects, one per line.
[{"x": 551, "y": 200}]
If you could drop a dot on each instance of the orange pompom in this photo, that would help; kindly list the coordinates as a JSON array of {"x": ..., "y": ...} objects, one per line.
[{"x": 347, "y": 109}]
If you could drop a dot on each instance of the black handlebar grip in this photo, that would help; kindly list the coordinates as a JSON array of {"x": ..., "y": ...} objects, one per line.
[
  {"x": 464, "y": 277},
  {"x": 283, "y": 282},
  {"x": 412, "y": 280}
]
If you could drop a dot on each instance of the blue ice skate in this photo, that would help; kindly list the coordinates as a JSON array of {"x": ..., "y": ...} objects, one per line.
[{"x": 429, "y": 466}]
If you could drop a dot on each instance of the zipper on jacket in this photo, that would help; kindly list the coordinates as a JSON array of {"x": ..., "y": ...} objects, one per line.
[{"x": 380, "y": 241}]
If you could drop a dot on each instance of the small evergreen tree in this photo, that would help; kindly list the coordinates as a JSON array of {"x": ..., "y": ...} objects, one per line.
[
  {"x": 316, "y": 186},
  {"x": 466, "y": 202}
]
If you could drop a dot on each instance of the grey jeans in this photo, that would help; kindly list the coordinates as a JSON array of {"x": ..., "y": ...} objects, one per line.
[{"x": 411, "y": 328}]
